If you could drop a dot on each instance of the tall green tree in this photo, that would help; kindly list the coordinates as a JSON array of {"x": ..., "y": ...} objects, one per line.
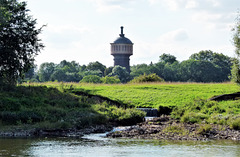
[
  {"x": 96, "y": 66},
  {"x": 236, "y": 41},
  {"x": 221, "y": 61},
  {"x": 19, "y": 42},
  {"x": 167, "y": 58},
  {"x": 198, "y": 71},
  {"x": 45, "y": 71},
  {"x": 121, "y": 73}
]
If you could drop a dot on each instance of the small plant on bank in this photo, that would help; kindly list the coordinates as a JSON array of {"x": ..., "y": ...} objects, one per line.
[
  {"x": 176, "y": 129},
  {"x": 147, "y": 78},
  {"x": 235, "y": 124},
  {"x": 204, "y": 129},
  {"x": 193, "y": 117}
]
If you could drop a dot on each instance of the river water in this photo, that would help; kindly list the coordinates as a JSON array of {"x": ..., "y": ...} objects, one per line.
[{"x": 95, "y": 145}]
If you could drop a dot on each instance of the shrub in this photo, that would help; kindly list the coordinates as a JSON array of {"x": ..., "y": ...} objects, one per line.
[
  {"x": 193, "y": 117},
  {"x": 110, "y": 80},
  {"x": 147, "y": 78},
  {"x": 120, "y": 115},
  {"x": 235, "y": 124},
  {"x": 91, "y": 79},
  {"x": 203, "y": 129},
  {"x": 9, "y": 104},
  {"x": 176, "y": 129},
  {"x": 130, "y": 117},
  {"x": 9, "y": 118}
]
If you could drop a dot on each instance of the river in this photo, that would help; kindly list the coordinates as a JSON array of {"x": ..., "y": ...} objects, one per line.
[{"x": 95, "y": 145}]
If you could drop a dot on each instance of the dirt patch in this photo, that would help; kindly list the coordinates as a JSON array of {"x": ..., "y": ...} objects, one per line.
[{"x": 233, "y": 96}]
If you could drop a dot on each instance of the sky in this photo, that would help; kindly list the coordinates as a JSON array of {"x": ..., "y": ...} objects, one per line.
[{"x": 82, "y": 30}]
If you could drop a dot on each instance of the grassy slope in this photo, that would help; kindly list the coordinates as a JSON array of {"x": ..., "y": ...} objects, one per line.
[
  {"x": 188, "y": 99},
  {"x": 48, "y": 107},
  {"x": 154, "y": 95}
]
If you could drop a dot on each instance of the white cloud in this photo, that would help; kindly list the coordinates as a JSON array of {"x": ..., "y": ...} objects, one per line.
[
  {"x": 215, "y": 3},
  {"x": 176, "y": 4},
  {"x": 214, "y": 20},
  {"x": 191, "y": 4},
  {"x": 112, "y": 5},
  {"x": 174, "y": 36},
  {"x": 202, "y": 5},
  {"x": 63, "y": 36}
]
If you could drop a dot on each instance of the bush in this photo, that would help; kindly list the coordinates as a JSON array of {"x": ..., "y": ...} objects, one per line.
[
  {"x": 147, "y": 78},
  {"x": 203, "y": 129},
  {"x": 110, "y": 80},
  {"x": 91, "y": 79},
  {"x": 9, "y": 118},
  {"x": 9, "y": 104},
  {"x": 127, "y": 117},
  {"x": 235, "y": 124},
  {"x": 120, "y": 115},
  {"x": 199, "y": 110},
  {"x": 176, "y": 129},
  {"x": 193, "y": 117}
]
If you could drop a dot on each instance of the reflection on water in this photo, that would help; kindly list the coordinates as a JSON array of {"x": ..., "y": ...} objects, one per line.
[{"x": 96, "y": 145}]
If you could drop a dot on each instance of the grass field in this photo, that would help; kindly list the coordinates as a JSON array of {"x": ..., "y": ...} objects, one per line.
[
  {"x": 154, "y": 95},
  {"x": 187, "y": 102}
]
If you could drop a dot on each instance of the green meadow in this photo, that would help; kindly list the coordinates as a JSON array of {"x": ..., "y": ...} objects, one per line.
[
  {"x": 56, "y": 104},
  {"x": 153, "y": 94},
  {"x": 187, "y": 102}
]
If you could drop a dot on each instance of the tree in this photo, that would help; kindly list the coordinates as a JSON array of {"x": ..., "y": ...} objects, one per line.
[
  {"x": 139, "y": 69},
  {"x": 198, "y": 71},
  {"x": 236, "y": 41},
  {"x": 108, "y": 71},
  {"x": 45, "y": 71},
  {"x": 170, "y": 72},
  {"x": 206, "y": 55},
  {"x": 95, "y": 66},
  {"x": 167, "y": 58},
  {"x": 30, "y": 75},
  {"x": 121, "y": 73},
  {"x": 19, "y": 42},
  {"x": 66, "y": 71},
  {"x": 222, "y": 62}
]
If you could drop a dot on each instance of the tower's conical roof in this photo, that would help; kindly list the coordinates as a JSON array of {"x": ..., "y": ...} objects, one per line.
[{"x": 122, "y": 39}]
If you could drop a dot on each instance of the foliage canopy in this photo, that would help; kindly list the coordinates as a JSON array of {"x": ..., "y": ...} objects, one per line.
[
  {"x": 19, "y": 42},
  {"x": 236, "y": 41}
]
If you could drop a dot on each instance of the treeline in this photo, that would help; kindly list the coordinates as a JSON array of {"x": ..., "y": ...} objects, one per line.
[{"x": 205, "y": 66}]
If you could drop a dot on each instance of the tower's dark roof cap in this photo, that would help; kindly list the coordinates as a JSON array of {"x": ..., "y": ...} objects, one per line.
[{"x": 122, "y": 39}]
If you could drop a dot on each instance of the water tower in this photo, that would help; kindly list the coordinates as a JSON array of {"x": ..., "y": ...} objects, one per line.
[{"x": 122, "y": 49}]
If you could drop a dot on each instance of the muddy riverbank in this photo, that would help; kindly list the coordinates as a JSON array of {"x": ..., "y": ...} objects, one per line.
[
  {"x": 19, "y": 132},
  {"x": 166, "y": 128}
]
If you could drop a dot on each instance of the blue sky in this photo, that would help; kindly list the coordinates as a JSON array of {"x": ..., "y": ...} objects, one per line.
[{"x": 82, "y": 30}]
